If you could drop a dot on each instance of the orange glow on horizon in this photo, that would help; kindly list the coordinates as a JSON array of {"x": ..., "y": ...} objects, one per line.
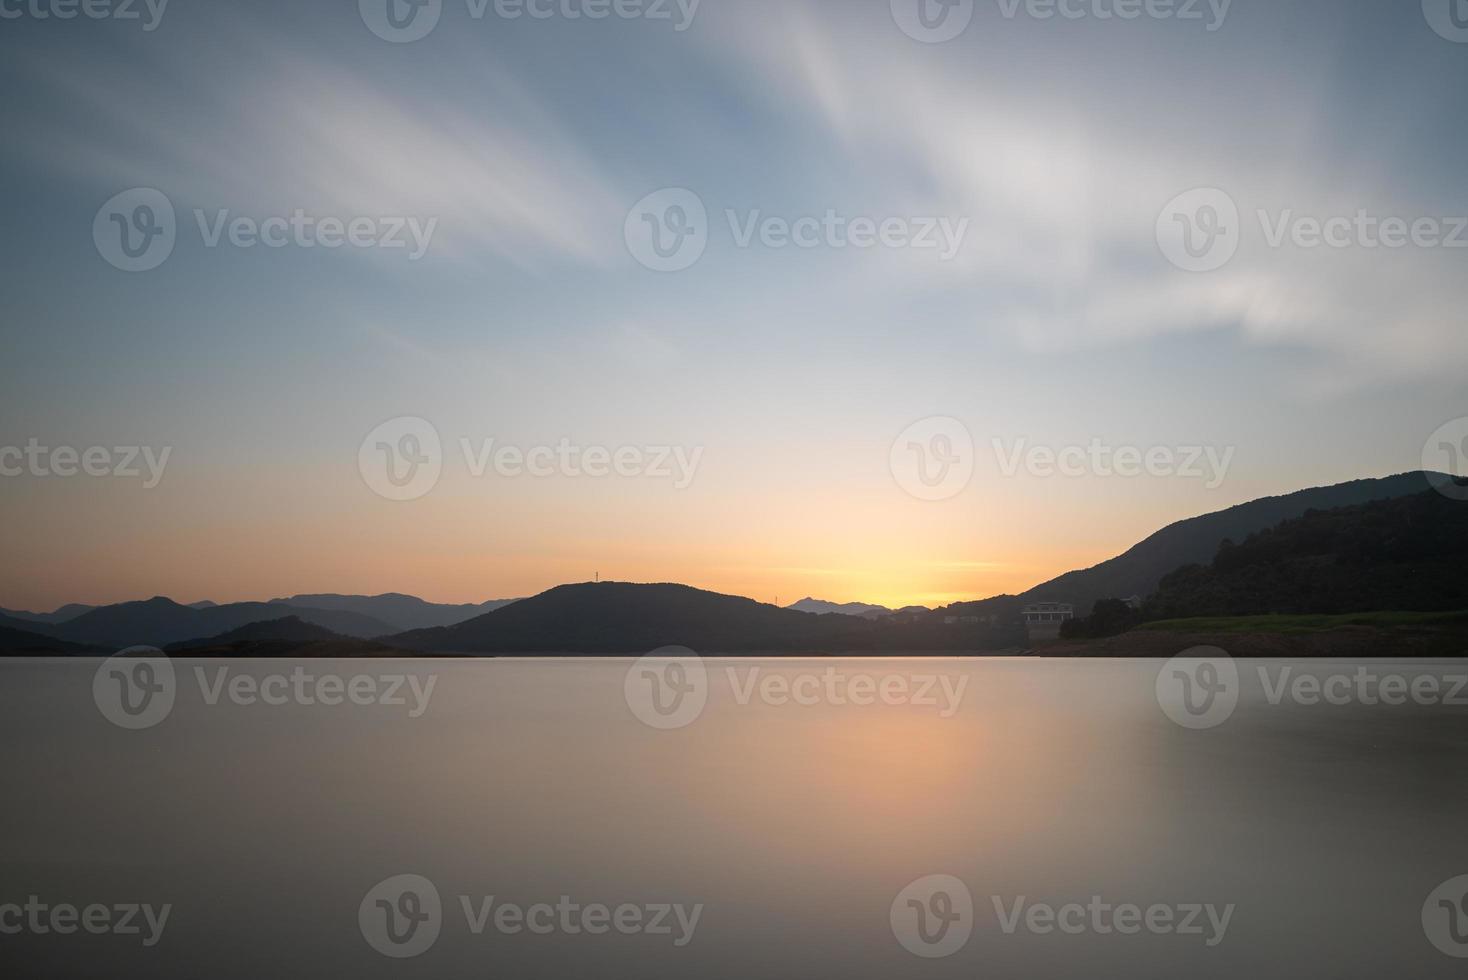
[{"x": 471, "y": 542}]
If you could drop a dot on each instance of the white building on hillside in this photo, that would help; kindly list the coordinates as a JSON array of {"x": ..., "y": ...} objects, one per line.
[{"x": 1043, "y": 619}]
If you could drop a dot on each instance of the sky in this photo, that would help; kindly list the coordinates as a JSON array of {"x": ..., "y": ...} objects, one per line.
[{"x": 1000, "y": 248}]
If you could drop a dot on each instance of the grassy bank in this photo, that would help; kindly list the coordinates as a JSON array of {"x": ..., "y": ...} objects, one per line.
[{"x": 1297, "y": 625}]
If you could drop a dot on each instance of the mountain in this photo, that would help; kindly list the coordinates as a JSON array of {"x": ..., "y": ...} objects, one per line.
[
  {"x": 159, "y": 622},
  {"x": 290, "y": 628},
  {"x": 617, "y": 617},
  {"x": 16, "y": 642},
  {"x": 11, "y": 621},
  {"x": 290, "y": 637},
  {"x": 823, "y": 608},
  {"x": 1139, "y": 571},
  {"x": 623, "y": 618},
  {"x": 403, "y": 612},
  {"x": 1408, "y": 554},
  {"x": 62, "y": 615}
]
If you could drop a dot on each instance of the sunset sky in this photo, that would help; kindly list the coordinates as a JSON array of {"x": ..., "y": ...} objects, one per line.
[{"x": 792, "y": 370}]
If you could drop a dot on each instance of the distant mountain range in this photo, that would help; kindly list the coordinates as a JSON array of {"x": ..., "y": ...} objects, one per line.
[
  {"x": 71, "y": 611},
  {"x": 621, "y": 618},
  {"x": 402, "y": 612},
  {"x": 162, "y": 622},
  {"x": 823, "y": 608}
]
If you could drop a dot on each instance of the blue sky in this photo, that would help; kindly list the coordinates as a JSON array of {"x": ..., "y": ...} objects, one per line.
[{"x": 1058, "y": 141}]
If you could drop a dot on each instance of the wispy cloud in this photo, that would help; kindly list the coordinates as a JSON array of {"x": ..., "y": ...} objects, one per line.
[
  {"x": 282, "y": 129},
  {"x": 1062, "y": 252}
]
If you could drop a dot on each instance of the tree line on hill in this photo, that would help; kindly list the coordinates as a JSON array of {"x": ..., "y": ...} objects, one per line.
[{"x": 1403, "y": 554}]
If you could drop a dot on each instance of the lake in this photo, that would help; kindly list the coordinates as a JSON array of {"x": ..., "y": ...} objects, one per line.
[{"x": 734, "y": 818}]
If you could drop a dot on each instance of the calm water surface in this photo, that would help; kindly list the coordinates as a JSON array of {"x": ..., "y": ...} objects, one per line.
[{"x": 793, "y": 828}]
